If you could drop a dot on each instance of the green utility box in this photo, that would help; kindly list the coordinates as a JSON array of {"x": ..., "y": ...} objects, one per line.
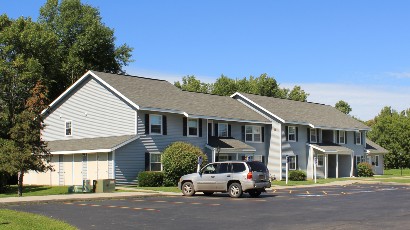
[{"x": 104, "y": 185}]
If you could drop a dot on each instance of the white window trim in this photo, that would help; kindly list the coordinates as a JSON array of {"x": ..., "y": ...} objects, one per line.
[
  {"x": 158, "y": 115},
  {"x": 197, "y": 127},
  {"x": 344, "y": 137},
  {"x": 358, "y": 160},
  {"x": 323, "y": 160},
  {"x": 65, "y": 128},
  {"x": 227, "y": 129},
  {"x": 316, "y": 135},
  {"x": 253, "y": 133},
  {"x": 289, "y": 140},
  {"x": 358, "y": 134},
  {"x": 150, "y": 162}
]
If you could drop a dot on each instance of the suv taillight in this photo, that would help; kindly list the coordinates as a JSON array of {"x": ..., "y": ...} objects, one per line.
[{"x": 249, "y": 176}]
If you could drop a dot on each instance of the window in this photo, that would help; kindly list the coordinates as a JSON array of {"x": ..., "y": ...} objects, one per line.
[
  {"x": 223, "y": 157},
  {"x": 292, "y": 162},
  {"x": 258, "y": 158},
  {"x": 292, "y": 133},
  {"x": 224, "y": 168},
  {"x": 238, "y": 167},
  {"x": 155, "y": 122},
  {"x": 253, "y": 133},
  {"x": 68, "y": 128},
  {"x": 320, "y": 160},
  {"x": 358, "y": 137},
  {"x": 210, "y": 169},
  {"x": 155, "y": 162},
  {"x": 313, "y": 135},
  {"x": 222, "y": 130},
  {"x": 376, "y": 160},
  {"x": 192, "y": 127},
  {"x": 342, "y": 137},
  {"x": 359, "y": 159}
]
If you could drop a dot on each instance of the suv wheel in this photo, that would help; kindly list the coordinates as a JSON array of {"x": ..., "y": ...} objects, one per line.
[
  {"x": 235, "y": 190},
  {"x": 255, "y": 193},
  {"x": 188, "y": 189}
]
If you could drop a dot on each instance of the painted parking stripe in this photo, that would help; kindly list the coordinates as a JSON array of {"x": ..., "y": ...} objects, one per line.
[{"x": 114, "y": 206}]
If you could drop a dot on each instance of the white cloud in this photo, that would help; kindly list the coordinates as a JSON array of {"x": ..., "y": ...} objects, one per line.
[
  {"x": 366, "y": 101},
  {"x": 399, "y": 75}
]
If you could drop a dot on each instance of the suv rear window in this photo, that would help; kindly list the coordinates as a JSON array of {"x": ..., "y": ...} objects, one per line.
[{"x": 256, "y": 166}]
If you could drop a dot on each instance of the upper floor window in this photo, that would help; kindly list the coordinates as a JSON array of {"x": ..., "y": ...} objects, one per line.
[
  {"x": 192, "y": 127},
  {"x": 313, "y": 135},
  {"x": 222, "y": 130},
  {"x": 155, "y": 122},
  {"x": 68, "y": 128},
  {"x": 358, "y": 138},
  {"x": 342, "y": 137},
  {"x": 253, "y": 133},
  {"x": 291, "y": 133}
]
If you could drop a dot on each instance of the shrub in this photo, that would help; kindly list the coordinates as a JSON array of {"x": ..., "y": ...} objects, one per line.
[
  {"x": 297, "y": 175},
  {"x": 178, "y": 159},
  {"x": 364, "y": 169},
  {"x": 150, "y": 179}
]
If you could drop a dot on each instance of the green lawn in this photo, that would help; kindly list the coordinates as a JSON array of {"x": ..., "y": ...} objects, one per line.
[
  {"x": 396, "y": 172},
  {"x": 10, "y": 219},
  {"x": 36, "y": 191}
]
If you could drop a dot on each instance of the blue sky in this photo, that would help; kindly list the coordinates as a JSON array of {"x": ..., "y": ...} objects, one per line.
[{"x": 357, "y": 51}]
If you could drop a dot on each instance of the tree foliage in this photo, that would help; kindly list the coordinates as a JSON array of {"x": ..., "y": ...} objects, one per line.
[
  {"x": 178, "y": 159},
  {"x": 25, "y": 150},
  {"x": 84, "y": 42},
  {"x": 343, "y": 107},
  {"x": 263, "y": 85},
  {"x": 391, "y": 130}
]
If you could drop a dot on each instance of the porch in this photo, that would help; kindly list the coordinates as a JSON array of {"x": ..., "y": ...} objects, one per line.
[
  {"x": 333, "y": 161},
  {"x": 226, "y": 149}
]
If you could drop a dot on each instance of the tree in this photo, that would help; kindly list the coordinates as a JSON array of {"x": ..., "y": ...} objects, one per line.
[
  {"x": 27, "y": 51},
  {"x": 343, "y": 107},
  {"x": 297, "y": 94},
  {"x": 84, "y": 42},
  {"x": 190, "y": 83},
  {"x": 178, "y": 159},
  {"x": 391, "y": 130},
  {"x": 25, "y": 150},
  {"x": 224, "y": 86}
]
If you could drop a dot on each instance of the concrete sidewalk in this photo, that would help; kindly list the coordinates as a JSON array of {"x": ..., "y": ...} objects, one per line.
[{"x": 85, "y": 196}]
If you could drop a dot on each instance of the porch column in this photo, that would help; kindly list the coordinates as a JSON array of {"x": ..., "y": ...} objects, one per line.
[
  {"x": 337, "y": 165},
  {"x": 326, "y": 156},
  {"x": 351, "y": 166}
]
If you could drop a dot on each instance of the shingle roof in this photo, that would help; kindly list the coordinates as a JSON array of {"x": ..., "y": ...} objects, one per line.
[
  {"x": 89, "y": 144},
  {"x": 331, "y": 148},
  {"x": 229, "y": 143},
  {"x": 160, "y": 94},
  {"x": 372, "y": 147},
  {"x": 318, "y": 115}
]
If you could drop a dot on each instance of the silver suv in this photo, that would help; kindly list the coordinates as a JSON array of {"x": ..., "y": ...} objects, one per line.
[{"x": 234, "y": 177}]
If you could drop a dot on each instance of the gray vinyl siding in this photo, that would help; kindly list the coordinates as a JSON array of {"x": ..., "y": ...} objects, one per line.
[
  {"x": 130, "y": 159},
  {"x": 298, "y": 148},
  {"x": 94, "y": 111}
]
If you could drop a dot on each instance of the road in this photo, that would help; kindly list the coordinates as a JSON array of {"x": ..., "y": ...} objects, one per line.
[{"x": 339, "y": 207}]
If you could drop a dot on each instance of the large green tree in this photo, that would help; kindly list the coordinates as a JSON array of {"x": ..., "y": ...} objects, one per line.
[
  {"x": 263, "y": 85},
  {"x": 25, "y": 150},
  {"x": 84, "y": 42},
  {"x": 391, "y": 130}
]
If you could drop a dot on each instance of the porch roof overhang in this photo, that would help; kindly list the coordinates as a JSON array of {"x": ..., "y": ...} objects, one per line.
[
  {"x": 330, "y": 148},
  {"x": 373, "y": 148},
  {"x": 89, "y": 145},
  {"x": 229, "y": 145}
]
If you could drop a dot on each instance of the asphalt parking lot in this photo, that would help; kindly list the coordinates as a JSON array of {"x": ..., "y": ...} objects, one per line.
[{"x": 335, "y": 207}]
